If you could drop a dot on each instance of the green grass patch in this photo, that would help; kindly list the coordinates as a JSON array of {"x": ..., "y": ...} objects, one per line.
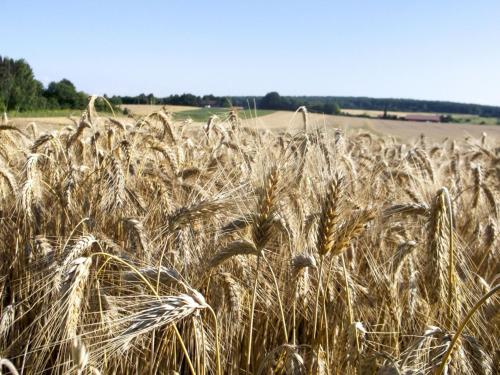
[
  {"x": 46, "y": 113},
  {"x": 203, "y": 114},
  {"x": 53, "y": 113},
  {"x": 196, "y": 114},
  {"x": 476, "y": 120}
]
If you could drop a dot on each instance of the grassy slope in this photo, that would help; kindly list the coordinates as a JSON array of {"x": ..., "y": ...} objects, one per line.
[
  {"x": 146, "y": 109},
  {"x": 202, "y": 114},
  {"x": 477, "y": 120},
  {"x": 46, "y": 113}
]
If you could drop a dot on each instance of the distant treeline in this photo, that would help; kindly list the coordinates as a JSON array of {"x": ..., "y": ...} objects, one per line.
[
  {"x": 323, "y": 104},
  {"x": 272, "y": 100},
  {"x": 20, "y": 91},
  {"x": 413, "y": 105}
]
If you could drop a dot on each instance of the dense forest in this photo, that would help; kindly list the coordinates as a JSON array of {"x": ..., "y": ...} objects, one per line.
[{"x": 20, "y": 91}]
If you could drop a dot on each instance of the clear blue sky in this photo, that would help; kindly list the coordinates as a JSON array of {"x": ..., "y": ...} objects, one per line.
[{"x": 425, "y": 49}]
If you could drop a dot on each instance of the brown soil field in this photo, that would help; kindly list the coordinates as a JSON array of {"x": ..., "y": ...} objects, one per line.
[
  {"x": 403, "y": 130},
  {"x": 146, "y": 109},
  {"x": 373, "y": 113}
]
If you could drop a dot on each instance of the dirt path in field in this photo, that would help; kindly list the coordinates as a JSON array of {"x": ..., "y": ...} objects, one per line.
[{"x": 403, "y": 130}]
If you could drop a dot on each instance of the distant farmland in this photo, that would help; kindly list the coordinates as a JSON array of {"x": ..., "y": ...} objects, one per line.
[
  {"x": 460, "y": 118},
  {"x": 281, "y": 120}
]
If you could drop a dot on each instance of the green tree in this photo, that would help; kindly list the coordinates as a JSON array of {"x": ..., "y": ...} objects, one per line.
[
  {"x": 115, "y": 100},
  {"x": 271, "y": 100},
  {"x": 331, "y": 108},
  {"x": 19, "y": 90},
  {"x": 66, "y": 95},
  {"x": 6, "y": 81}
]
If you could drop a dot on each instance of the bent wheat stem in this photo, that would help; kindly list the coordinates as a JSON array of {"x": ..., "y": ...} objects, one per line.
[{"x": 457, "y": 334}]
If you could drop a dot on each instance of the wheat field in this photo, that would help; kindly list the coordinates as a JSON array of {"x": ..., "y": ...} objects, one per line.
[{"x": 157, "y": 248}]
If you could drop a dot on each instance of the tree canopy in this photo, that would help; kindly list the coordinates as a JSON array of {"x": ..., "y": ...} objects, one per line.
[
  {"x": 64, "y": 95},
  {"x": 20, "y": 91}
]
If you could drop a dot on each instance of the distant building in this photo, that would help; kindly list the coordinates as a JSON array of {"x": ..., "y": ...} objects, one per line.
[
  {"x": 423, "y": 118},
  {"x": 209, "y": 103}
]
